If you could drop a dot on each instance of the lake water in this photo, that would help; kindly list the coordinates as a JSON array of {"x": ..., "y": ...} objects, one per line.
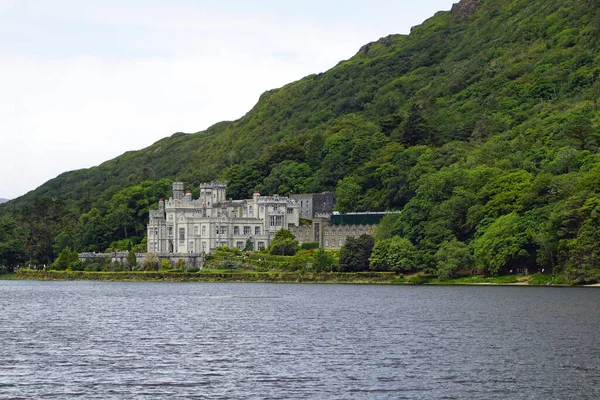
[{"x": 96, "y": 340}]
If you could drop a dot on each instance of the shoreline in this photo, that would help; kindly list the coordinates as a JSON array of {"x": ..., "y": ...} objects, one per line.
[{"x": 373, "y": 278}]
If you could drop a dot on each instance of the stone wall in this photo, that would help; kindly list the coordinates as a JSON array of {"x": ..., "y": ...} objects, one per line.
[{"x": 191, "y": 259}]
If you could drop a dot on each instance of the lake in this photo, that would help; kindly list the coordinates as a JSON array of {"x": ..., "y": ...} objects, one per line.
[{"x": 105, "y": 340}]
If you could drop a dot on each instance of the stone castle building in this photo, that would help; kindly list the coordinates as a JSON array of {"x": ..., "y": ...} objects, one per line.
[
  {"x": 314, "y": 204},
  {"x": 184, "y": 228},
  {"x": 183, "y": 225},
  {"x": 331, "y": 230}
]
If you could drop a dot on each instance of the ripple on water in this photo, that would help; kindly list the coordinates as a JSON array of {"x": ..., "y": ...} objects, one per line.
[{"x": 87, "y": 340}]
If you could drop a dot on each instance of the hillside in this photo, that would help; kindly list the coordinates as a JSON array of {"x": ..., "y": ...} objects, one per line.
[{"x": 482, "y": 125}]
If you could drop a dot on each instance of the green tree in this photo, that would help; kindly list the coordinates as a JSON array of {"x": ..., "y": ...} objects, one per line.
[
  {"x": 354, "y": 254},
  {"x": 396, "y": 254},
  {"x": 284, "y": 243},
  {"x": 131, "y": 260},
  {"x": 61, "y": 242},
  {"x": 388, "y": 227},
  {"x": 12, "y": 246},
  {"x": 583, "y": 264},
  {"x": 347, "y": 195},
  {"x": 42, "y": 221},
  {"x": 415, "y": 129},
  {"x": 451, "y": 257},
  {"x": 288, "y": 177},
  {"x": 12, "y": 253},
  {"x": 503, "y": 244},
  {"x": 64, "y": 260},
  {"x": 249, "y": 245},
  {"x": 322, "y": 260}
]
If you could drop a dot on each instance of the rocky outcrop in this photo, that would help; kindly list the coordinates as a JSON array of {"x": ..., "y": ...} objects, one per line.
[{"x": 465, "y": 8}]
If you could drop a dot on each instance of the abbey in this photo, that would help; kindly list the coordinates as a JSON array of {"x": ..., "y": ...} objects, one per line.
[{"x": 183, "y": 225}]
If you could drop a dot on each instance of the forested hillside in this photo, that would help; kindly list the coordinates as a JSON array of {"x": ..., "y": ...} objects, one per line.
[{"x": 482, "y": 126}]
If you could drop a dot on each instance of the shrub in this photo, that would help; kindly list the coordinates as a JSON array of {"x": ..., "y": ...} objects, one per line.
[
  {"x": 229, "y": 264},
  {"x": 165, "y": 265},
  {"x": 309, "y": 245},
  {"x": 76, "y": 266}
]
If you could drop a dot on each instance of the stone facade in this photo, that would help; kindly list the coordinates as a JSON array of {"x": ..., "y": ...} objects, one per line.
[
  {"x": 327, "y": 235},
  {"x": 313, "y": 204},
  {"x": 195, "y": 226},
  {"x": 191, "y": 260}
]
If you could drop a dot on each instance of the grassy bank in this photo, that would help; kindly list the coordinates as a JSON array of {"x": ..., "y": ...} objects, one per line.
[
  {"x": 215, "y": 275},
  {"x": 208, "y": 276}
]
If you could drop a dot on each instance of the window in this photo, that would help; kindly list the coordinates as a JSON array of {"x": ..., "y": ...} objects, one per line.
[
  {"x": 275, "y": 207},
  {"x": 236, "y": 230},
  {"x": 339, "y": 233},
  {"x": 272, "y": 220},
  {"x": 326, "y": 233},
  {"x": 239, "y": 245},
  {"x": 170, "y": 231},
  {"x": 326, "y": 242},
  {"x": 290, "y": 226},
  {"x": 191, "y": 247},
  {"x": 203, "y": 246},
  {"x": 290, "y": 210},
  {"x": 340, "y": 242},
  {"x": 221, "y": 230},
  {"x": 257, "y": 230},
  {"x": 195, "y": 229},
  {"x": 181, "y": 235},
  {"x": 203, "y": 230},
  {"x": 261, "y": 246},
  {"x": 247, "y": 230}
]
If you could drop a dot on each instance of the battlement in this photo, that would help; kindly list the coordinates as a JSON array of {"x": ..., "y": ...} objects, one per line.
[{"x": 214, "y": 185}]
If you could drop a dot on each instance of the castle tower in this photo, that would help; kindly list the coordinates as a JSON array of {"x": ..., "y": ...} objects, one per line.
[
  {"x": 211, "y": 193},
  {"x": 206, "y": 194},
  {"x": 177, "y": 190},
  {"x": 220, "y": 188}
]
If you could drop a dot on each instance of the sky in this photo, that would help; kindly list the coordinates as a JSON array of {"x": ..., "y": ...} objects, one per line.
[{"x": 83, "y": 81}]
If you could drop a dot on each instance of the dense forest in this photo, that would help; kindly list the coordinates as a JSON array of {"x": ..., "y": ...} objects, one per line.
[{"x": 482, "y": 126}]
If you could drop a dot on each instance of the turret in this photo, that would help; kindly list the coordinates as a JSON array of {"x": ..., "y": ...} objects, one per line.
[{"x": 177, "y": 190}]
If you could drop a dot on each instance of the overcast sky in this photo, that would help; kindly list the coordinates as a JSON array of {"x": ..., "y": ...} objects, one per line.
[{"x": 83, "y": 81}]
